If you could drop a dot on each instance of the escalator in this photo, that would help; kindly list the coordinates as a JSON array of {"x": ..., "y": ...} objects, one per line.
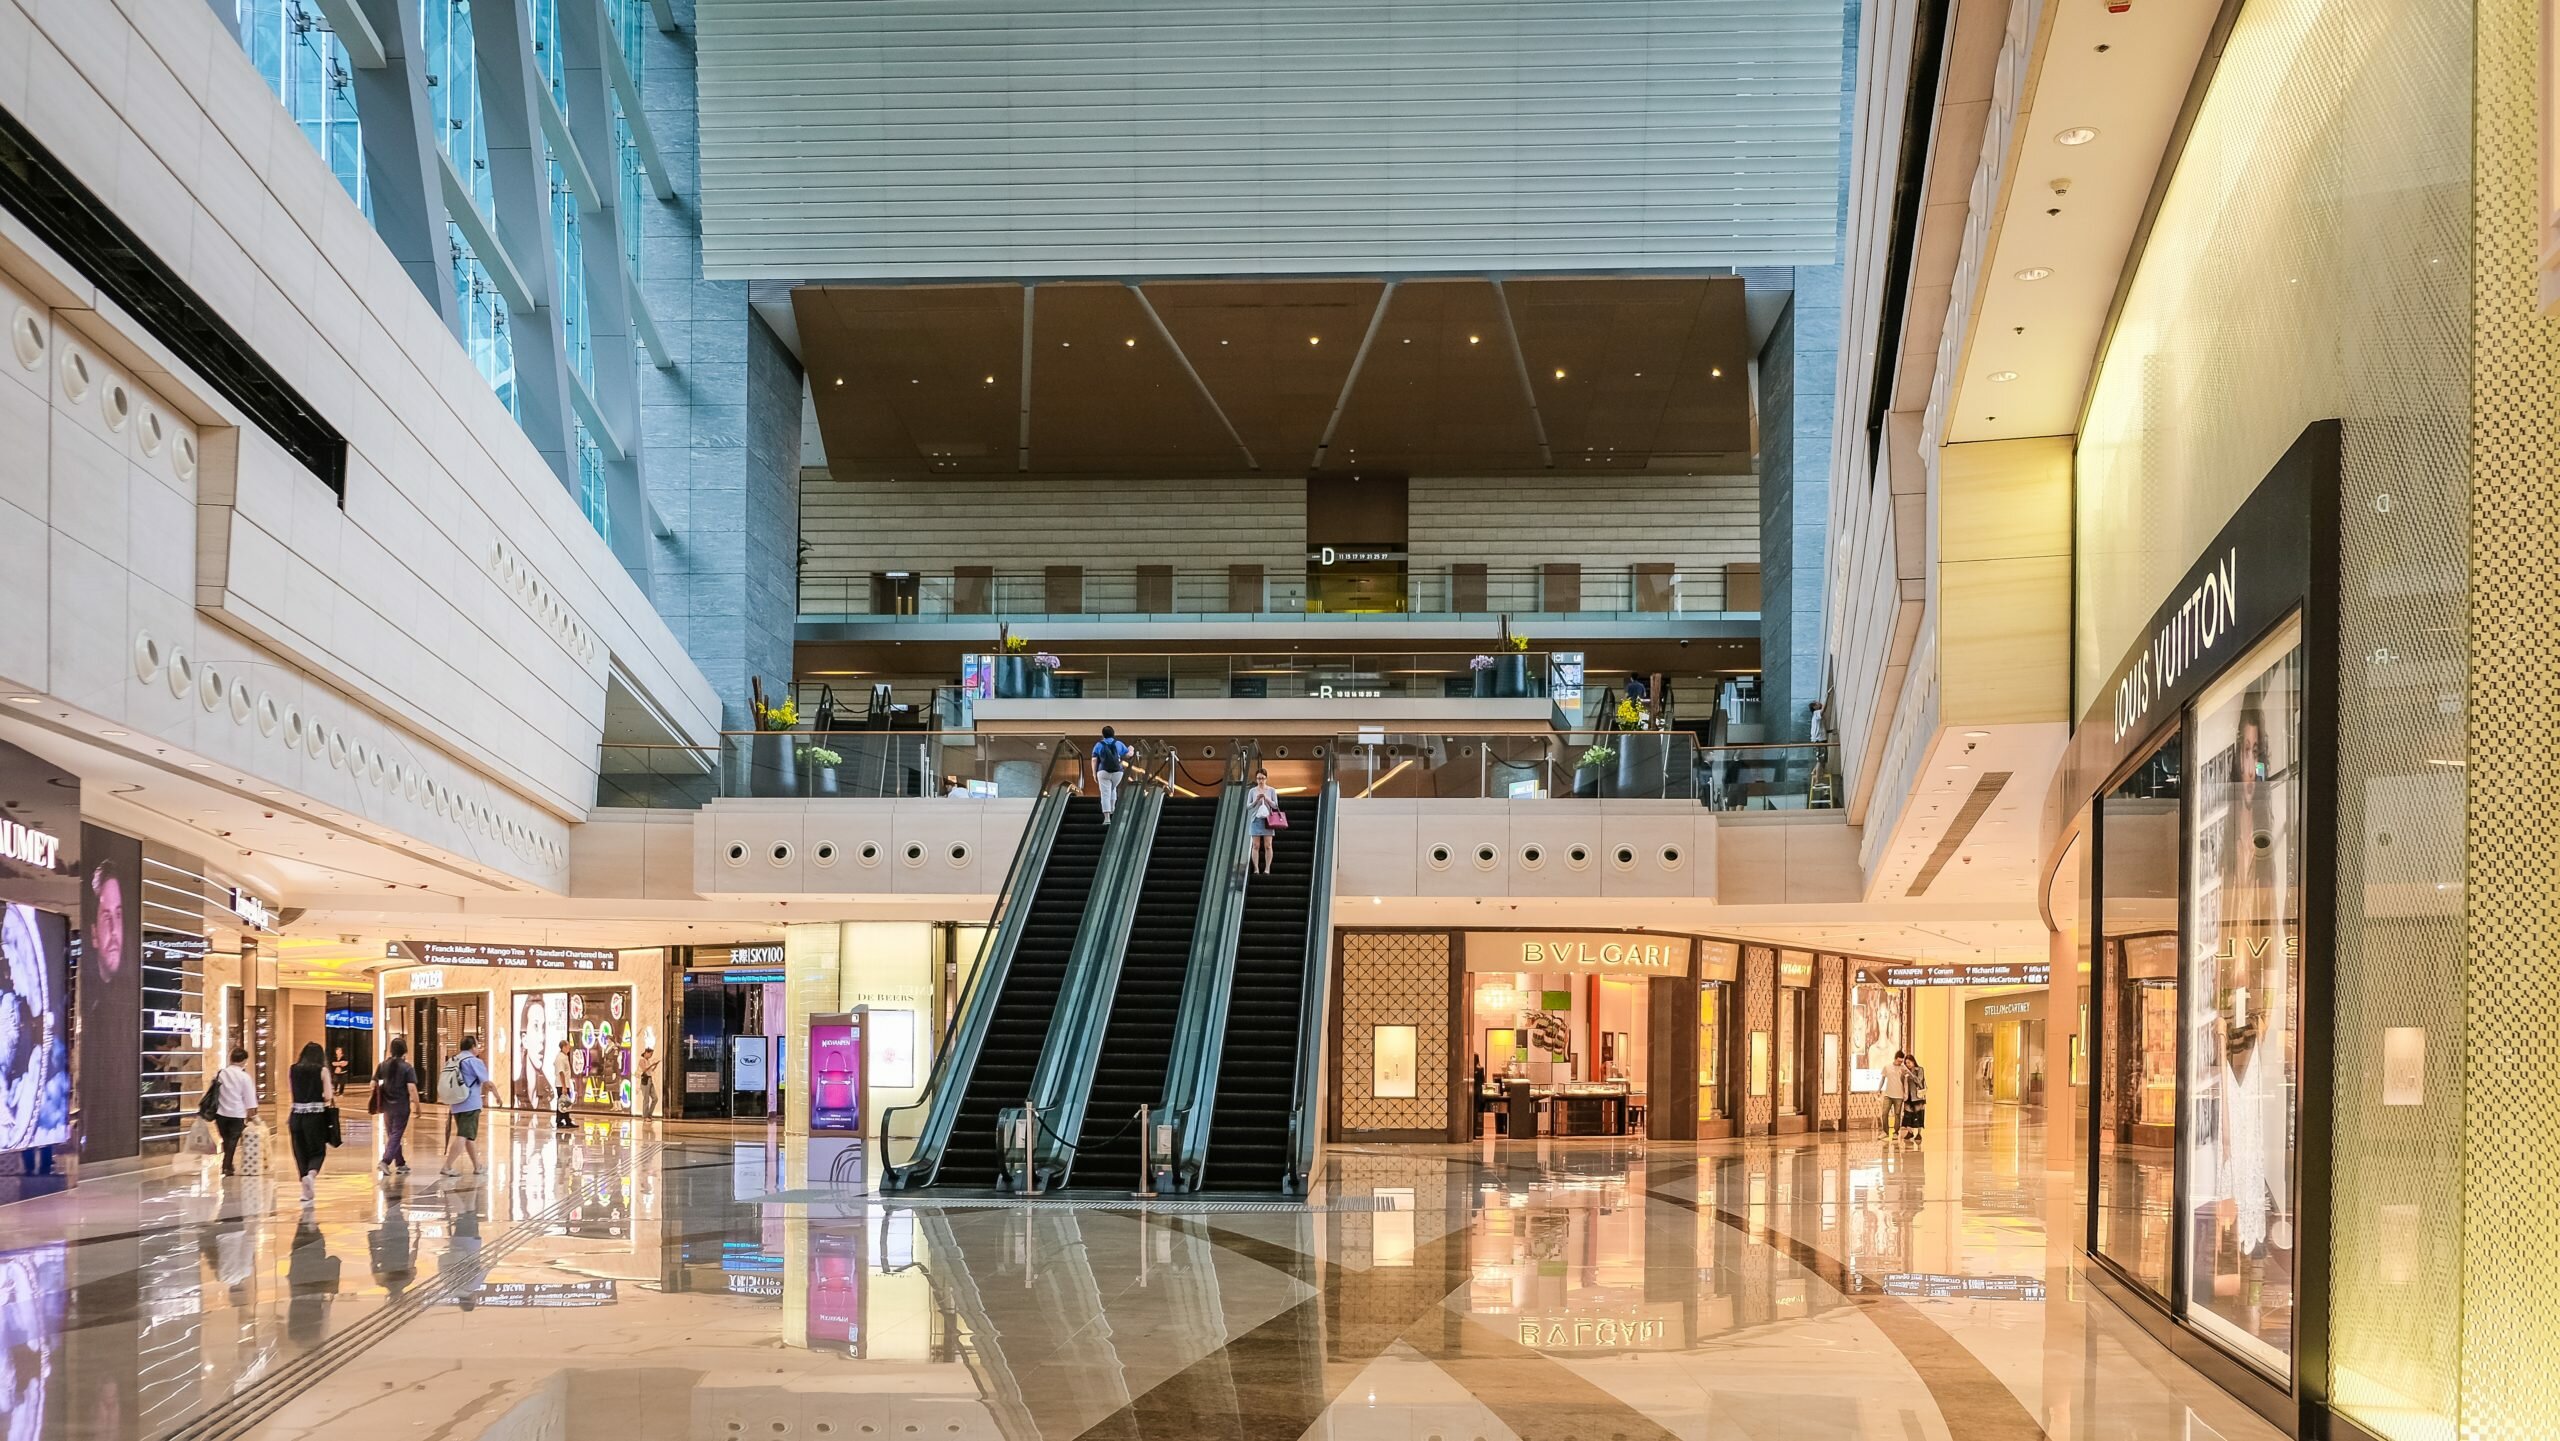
[
  {"x": 1019, "y": 1026},
  {"x": 1267, "y": 1013},
  {"x": 1146, "y": 1006}
]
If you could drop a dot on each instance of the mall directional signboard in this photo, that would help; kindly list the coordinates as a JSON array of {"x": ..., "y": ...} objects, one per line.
[
  {"x": 2006, "y": 973},
  {"x": 482, "y": 953}
]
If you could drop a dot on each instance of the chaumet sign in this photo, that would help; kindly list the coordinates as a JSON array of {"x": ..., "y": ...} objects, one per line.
[{"x": 29, "y": 846}]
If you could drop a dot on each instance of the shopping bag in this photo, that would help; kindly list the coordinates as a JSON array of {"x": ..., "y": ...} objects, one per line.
[
  {"x": 251, "y": 1158},
  {"x": 337, "y": 1128},
  {"x": 201, "y": 1140}
]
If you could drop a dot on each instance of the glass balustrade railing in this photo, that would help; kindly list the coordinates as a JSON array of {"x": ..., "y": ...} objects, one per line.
[
  {"x": 776, "y": 765},
  {"x": 1430, "y": 675},
  {"x": 1588, "y": 765},
  {"x": 1171, "y": 592}
]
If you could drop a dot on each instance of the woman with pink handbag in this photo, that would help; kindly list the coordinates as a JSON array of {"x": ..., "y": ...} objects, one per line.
[{"x": 1263, "y": 816}]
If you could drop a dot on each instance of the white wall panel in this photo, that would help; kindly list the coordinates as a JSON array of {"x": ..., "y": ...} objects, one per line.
[{"x": 945, "y": 138}]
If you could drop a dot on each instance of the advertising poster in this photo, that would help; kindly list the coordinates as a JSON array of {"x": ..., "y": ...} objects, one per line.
[
  {"x": 835, "y": 1075},
  {"x": 1875, "y": 1033},
  {"x": 35, "y": 1033},
  {"x": 598, "y": 1027},
  {"x": 893, "y": 1047},
  {"x": 110, "y": 995}
]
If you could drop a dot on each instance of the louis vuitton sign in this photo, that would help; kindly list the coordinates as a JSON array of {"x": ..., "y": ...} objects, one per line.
[{"x": 1611, "y": 952}]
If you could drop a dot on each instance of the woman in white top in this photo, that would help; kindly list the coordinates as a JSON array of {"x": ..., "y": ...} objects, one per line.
[{"x": 1259, "y": 805}]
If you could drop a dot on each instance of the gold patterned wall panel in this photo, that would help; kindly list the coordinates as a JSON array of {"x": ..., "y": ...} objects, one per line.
[
  {"x": 2510, "y": 1381},
  {"x": 1394, "y": 978},
  {"x": 2312, "y": 258}
]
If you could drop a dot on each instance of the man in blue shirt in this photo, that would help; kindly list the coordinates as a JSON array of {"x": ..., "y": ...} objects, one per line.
[
  {"x": 1110, "y": 762},
  {"x": 464, "y": 1087}
]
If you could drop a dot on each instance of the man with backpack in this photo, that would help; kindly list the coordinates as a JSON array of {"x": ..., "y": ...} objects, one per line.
[
  {"x": 1110, "y": 761},
  {"x": 462, "y": 1087}
]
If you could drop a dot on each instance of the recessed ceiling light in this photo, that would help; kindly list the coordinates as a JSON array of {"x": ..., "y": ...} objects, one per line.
[
  {"x": 1472, "y": 339},
  {"x": 113, "y": 735},
  {"x": 271, "y": 793},
  {"x": 2076, "y": 135},
  {"x": 991, "y": 380},
  {"x": 24, "y": 699},
  {"x": 1131, "y": 342},
  {"x": 1714, "y": 372},
  {"x": 1222, "y": 342},
  {"x": 839, "y": 380},
  {"x": 2035, "y": 272},
  {"x": 199, "y": 765},
  {"x": 1976, "y": 735},
  {"x": 2002, "y": 377},
  {"x": 1066, "y": 345},
  {"x": 1559, "y": 372},
  {"x": 1312, "y": 339},
  {"x": 1408, "y": 340}
]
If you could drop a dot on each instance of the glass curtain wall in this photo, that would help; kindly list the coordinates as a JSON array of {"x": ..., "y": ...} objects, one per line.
[
  {"x": 2137, "y": 1061},
  {"x": 297, "y": 52},
  {"x": 2243, "y": 1008},
  {"x": 453, "y": 86}
]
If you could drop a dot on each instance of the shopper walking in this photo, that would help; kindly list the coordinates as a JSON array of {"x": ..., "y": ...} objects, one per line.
[
  {"x": 563, "y": 1084},
  {"x": 235, "y": 1105},
  {"x": 1897, "y": 1082},
  {"x": 466, "y": 1091},
  {"x": 1915, "y": 1102},
  {"x": 308, "y": 1127},
  {"x": 1110, "y": 761},
  {"x": 395, "y": 1087},
  {"x": 648, "y": 1080},
  {"x": 1261, "y": 805}
]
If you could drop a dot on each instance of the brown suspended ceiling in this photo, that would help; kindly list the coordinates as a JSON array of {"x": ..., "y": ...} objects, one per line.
[{"x": 1459, "y": 376}]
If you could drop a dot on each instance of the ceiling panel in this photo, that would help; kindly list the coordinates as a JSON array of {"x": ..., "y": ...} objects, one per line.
[
  {"x": 921, "y": 380},
  {"x": 1108, "y": 393},
  {"x": 1440, "y": 392},
  {"x": 914, "y": 377},
  {"x": 1274, "y": 356}
]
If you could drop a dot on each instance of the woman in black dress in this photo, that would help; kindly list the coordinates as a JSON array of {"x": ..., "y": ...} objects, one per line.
[{"x": 308, "y": 1126}]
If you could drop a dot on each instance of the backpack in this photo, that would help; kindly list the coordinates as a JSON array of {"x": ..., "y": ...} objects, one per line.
[
  {"x": 449, "y": 1086},
  {"x": 1106, "y": 756}
]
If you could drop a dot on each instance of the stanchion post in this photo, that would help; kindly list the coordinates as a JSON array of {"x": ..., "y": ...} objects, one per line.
[{"x": 1146, "y": 1153}]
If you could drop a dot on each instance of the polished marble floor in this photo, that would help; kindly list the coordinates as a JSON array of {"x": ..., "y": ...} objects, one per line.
[{"x": 626, "y": 1281}]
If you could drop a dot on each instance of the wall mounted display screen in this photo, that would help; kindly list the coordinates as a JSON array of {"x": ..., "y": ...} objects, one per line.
[
  {"x": 35, "y": 1029},
  {"x": 598, "y": 1027},
  {"x": 893, "y": 1047},
  {"x": 109, "y": 965},
  {"x": 2242, "y": 1000}
]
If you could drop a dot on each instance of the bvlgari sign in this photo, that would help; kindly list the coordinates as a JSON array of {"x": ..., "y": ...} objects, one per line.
[{"x": 1554, "y": 951}]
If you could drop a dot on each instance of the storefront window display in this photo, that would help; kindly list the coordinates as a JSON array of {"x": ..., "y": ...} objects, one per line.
[
  {"x": 35, "y": 1032},
  {"x": 1560, "y": 1030},
  {"x": 2137, "y": 1099},
  {"x": 2242, "y": 1002},
  {"x": 1875, "y": 1031}
]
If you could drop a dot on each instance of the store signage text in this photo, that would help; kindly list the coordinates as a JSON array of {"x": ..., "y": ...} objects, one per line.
[
  {"x": 1338, "y": 555},
  {"x": 1538, "y": 955},
  {"x": 474, "y": 953},
  {"x": 755, "y": 955},
  {"x": 1557, "y": 1333},
  {"x": 256, "y": 913},
  {"x": 2256, "y": 948},
  {"x": 29, "y": 846},
  {"x": 2009, "y": 1008},
  {"x": 2209, "y": 615},
  {"x": 345, "y": 1019},
  {"x": 2032, "y": 973},
  {"x": 426, "y": 981}
]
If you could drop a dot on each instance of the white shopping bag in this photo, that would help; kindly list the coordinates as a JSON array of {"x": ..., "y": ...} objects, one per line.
[{"x": 201, "y": 1140}]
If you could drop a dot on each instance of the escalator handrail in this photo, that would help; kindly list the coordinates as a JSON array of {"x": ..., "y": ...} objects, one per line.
[
  {"x": 948, "y": 1081},
  {"x": 1314, "y": 985},
  {"x": 1190, "y": 1094},
  {"x": 1062, "y": 1081}
]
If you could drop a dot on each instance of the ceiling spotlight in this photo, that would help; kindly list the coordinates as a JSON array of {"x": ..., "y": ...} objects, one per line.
[
  {"x": 991, "y": 380},
  {"x": 1559, "y": 372},
  {"x": 2003, "y": 377},
  {"x": 2035, "y": 272},
  {"x": 199, "y": 765},
  {"x": 1472, "y": 339},
  {"x": 1313, "y": 339},
  {"x": 1714, "y": 372},
  {"x": 113, "y": 735},
  {"x": 1131, "y": 342},
  {"x": 2076, "y": 135},
  {"x": 914, "y": 382},
  {"x": 25, "y": 699},
  {"x": 1222, "y": 342},
  {"x": 1066, "y": 345}
]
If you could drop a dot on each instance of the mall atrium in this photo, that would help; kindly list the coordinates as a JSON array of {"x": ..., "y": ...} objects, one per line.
[{"x": 1433, "y": 720}]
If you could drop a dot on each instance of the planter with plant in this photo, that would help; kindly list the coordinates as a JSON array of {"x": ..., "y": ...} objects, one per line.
[
  {"x": 822, "y": 764},
  {"x": 773, "y": 768},
  {"x": 1021, "y": 672}
]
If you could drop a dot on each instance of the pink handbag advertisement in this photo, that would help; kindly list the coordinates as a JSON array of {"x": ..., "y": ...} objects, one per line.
[{"x": 835, "y": 1073}]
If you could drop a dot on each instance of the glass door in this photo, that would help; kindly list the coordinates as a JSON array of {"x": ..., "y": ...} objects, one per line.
[{"x": 2137, "y": 1060}]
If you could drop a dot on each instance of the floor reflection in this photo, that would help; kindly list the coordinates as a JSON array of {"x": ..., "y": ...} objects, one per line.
[{"x": 620, "y": 1282}]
